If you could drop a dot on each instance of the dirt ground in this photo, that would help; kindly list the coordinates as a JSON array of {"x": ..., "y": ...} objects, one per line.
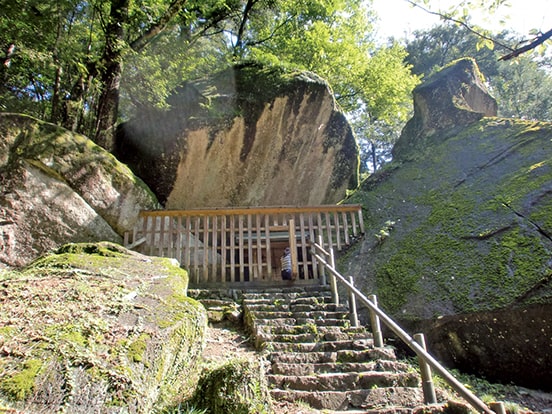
[{"x": 225, "y": 341}]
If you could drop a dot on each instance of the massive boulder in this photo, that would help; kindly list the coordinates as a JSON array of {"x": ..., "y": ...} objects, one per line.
[
  {"x": 59, "y": 187},
  {"x": 95, "y": 328},
  {"x": 461, "y": 223},
  {"x": 247, "y": 136},
  {"x": 452, "y": 98}
]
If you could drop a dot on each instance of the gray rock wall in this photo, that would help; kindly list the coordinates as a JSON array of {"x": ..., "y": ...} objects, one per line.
[{"x": 245, "y": 137}]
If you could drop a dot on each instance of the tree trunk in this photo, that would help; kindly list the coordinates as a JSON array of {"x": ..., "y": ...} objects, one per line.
[
  {"x": 110, "y": 78},
  {"x": 55, "y": 114},
  {"x": 374, "y": 156}
]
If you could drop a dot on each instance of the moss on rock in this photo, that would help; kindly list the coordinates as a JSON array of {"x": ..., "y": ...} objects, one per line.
[
  {"x": 472, "y": 229},
  {"x": 238, "y": 386},
  {"x": 21, "y": 383},
  {"x": 98, "y": 326}
]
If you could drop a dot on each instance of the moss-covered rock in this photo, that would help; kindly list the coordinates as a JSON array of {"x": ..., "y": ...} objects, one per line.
[
  {"x": 471, "y": 228},
  {"x": 238, "y": 386},
  {"x": 97, "y": 328},
  {"x": 59, "y": 187},
  {"x": 447, "y": 101},
  {"x": 461, "y": 225}
]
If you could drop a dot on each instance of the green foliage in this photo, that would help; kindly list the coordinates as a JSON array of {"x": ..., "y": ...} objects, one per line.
[
  {"x": 66, "y": 53},
  {"x": 372, "y": 84},
  {"x": 385, "y": 231}
]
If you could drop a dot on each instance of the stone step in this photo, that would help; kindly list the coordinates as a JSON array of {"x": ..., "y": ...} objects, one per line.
[
  {"x": 275, "y": 292},
  {"x": 294, "y": 307},
  {"x": 344, "y": 381},
  {"x": 316, "y": 337},
  {"x": 318, "y": 358},
  {"x": 323, "y": 297},
  {"x": 289, "y": 329},
  {"x": 343, "y": 356},
  {"x": 258, "y": 325},
  {"x": 324, "y": 346},
  {"x": 219, "y": 303},
  {"x": 398, "y": 399},
  {"x": 300, "y": 316},
  {"x": 302, "y": 369},
  {"x": 224, "y": 294}
]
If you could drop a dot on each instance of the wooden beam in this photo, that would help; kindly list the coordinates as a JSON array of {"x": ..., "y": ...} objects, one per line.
[{"x": 218, "y": 211}]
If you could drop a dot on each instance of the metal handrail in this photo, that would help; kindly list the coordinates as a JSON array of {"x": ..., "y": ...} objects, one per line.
[{"x": 473, "y": 400}]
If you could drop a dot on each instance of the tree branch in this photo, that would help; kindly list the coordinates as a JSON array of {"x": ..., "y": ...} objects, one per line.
[
  {"x": 461, "y": 23},
  {"x": 514, "y": 51},
  {"x": 541, "y": 38},
  {"x": 142, "y": 41}
]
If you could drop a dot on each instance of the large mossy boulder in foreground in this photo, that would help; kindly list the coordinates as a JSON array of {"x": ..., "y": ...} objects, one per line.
[
  {"x": 246, "y": 136},
  {"x": 59, "y": 187},
  {"x": 96, "y": 328},
  {"x": 463, "y": 224}
]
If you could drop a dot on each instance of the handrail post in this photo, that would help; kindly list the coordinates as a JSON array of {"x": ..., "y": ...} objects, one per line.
[
  {"x": 375, "y": 323},
  {"x": 353, "y": 316},
  {"x": 322, "y": 270},
  {"x": 498, "y": 407},
  {"x": 475, "y": 402},
  {"x": 425, "y": 370},
  {"x": 333, "y": 280}
]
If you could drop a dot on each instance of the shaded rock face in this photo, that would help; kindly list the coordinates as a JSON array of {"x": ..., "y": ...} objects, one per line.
[
  {"x": 59, "y": 187},
  {"x": 463, "y": 226},
  {"x": 454, "y": 97},
  {"x": 509, "y": 346},
  {"x": 246, "y": 137},
  {"x": 107, "y": 330}
]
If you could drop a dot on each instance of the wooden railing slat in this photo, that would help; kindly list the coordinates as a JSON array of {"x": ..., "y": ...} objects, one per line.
[
  {"x": 232, "y": 249},
  {"x": 337, "y": 230},
  {"x": 214, "y": 253},
  {"x": 240, "y": 242},
  {"x": 250, "y": 246},
  {"x": 202, "y": 239},
  {"x": 196, "y": 249}
]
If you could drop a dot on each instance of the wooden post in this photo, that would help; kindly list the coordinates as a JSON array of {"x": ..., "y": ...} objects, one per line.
[
  {"x": 323, "y": 280},
  {"x": 293, "y": 248},
  {"x": 333, "y": 280},
  {"x": 498, "y": 407},
  {"x": 425, "y": 369},
  {"x": 353, "y": 316},
  {"x": 375, "y": 322}
]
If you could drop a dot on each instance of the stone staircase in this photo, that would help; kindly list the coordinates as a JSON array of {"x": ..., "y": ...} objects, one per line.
[{"x": 316, "y": 356}]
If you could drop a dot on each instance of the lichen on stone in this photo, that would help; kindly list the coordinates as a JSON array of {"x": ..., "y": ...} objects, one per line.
[{"x": 109, "y": 327}]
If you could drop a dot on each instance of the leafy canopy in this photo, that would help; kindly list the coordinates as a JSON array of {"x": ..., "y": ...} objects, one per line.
[{"x": 76, "y": 63}]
